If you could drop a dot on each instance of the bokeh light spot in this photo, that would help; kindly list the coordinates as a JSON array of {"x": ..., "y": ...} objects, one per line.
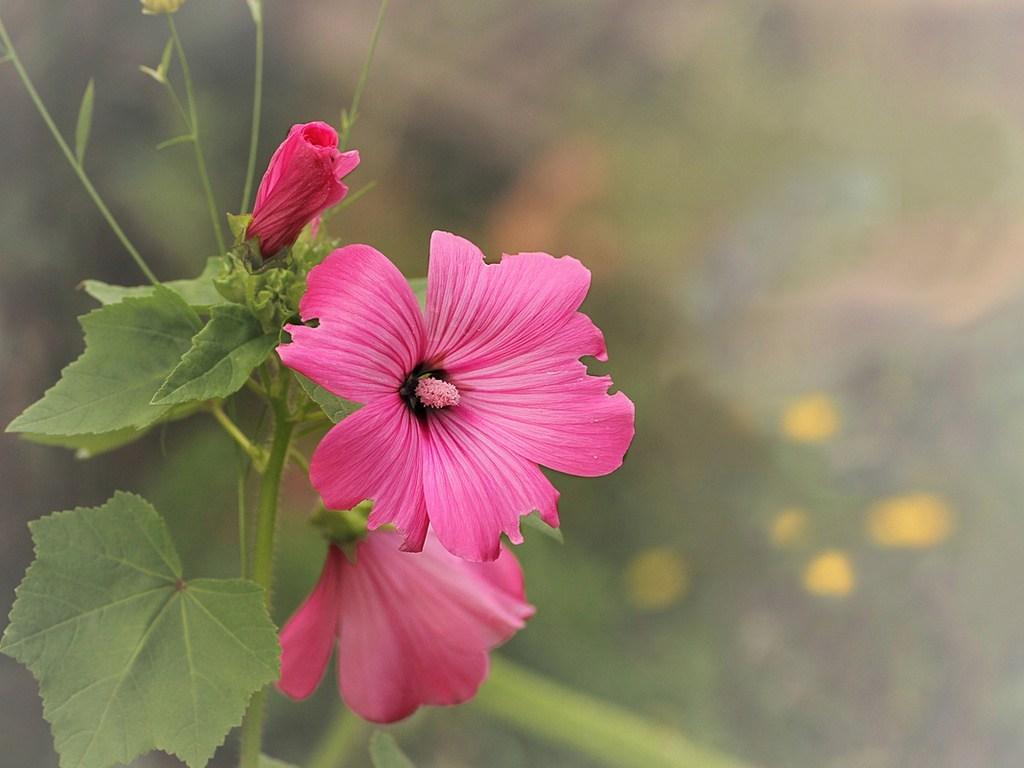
[
  {"x": 830, "y": 574},
  {"x": 656, "y": 579},
  {"x": 789, "y": 527},
  {"x": 914, "y": 521},
  {"x": 811, "y": 419}
]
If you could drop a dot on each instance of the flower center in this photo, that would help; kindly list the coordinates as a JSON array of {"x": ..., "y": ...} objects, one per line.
[
  {"x": 425, "y": 389},
  {"x": 437, "y": 393}
]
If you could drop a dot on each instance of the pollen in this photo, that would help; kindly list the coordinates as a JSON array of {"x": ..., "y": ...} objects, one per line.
[{"x": 437, "y": 393}]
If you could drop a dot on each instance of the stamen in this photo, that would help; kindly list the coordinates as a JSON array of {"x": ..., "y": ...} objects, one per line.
[{"x": 437, "y": 393}]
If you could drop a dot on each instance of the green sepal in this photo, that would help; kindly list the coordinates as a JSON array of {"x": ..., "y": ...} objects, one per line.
[
  {"x": 238, "y": 223},
  {"x": 343, "y": 527},
  {"x": 130, "y": 656}
]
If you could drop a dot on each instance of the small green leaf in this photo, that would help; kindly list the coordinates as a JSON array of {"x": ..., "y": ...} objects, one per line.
[
  {"x": 199, "y": 291},
  {"x": 84, "y": 125},
  {"x": 184, "y": 138},
  {"x": 160, "y": 73},
  {"x": 222, "y": 356},
  {"x": 129, "y": 656},
  {"x": 385, "y": 753},
  {"x": 335, "y": 407},
  {"x": 130, "y": 348},
  {"x": 533, "y": 520}
]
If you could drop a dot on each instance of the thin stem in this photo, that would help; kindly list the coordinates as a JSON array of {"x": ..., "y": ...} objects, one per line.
[
  {"x": 606, "y": 733},
  {"x": 12, "y": 55},
  {"x": 263, "y": 563},
  {"x": 237, "y": 434},
  {"x": 353, "y": 110},
  {"x": 193, "y": 113},
  {"x": 345, "y": 731},
  {"x": 257, "y": 106}
]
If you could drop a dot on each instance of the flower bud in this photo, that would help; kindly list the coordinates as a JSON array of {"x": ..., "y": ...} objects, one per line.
[
  {"x": 153, "y": 7},
  {"x": 301, "y": 182}
]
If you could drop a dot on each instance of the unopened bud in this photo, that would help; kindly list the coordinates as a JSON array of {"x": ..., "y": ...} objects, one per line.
[{"x": 154, "y": 7}]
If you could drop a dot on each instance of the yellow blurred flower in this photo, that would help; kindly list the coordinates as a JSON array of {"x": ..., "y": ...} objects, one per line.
[
  {"x": 789, "y": 527},
  {"x": 161, "y": 6},
  {"x": 811, "y": 419},
  {"x": 915, "y": 521},
  {"x": 830, "y": 574},
  {"x": 656, "y": 578}
]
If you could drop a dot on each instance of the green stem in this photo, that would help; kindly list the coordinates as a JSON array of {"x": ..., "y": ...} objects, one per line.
[
  {"x": 345, "y": 731},
  {"x": 193, "y": 113},
  {"x": 353, "y": 111},
  {"x": 263, "y": 564},
  {"x": 257, "y": 106},
  {"x": 237, "y": 434},
  {"x": 12, "y": 55},
  {"x": 606, "y": 733}
]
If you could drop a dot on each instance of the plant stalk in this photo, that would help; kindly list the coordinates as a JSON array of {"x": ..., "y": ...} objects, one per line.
[
  {"x": 257, "y": 106},
  {"x": 12, "y": 55},
  {"x": 608, "y": 734},
  {"x": 190, "y": 98},
  {"x": 263, "y": 565}
]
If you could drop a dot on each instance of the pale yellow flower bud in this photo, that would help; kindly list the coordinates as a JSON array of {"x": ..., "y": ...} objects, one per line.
[{"x": 161, "y": 6}]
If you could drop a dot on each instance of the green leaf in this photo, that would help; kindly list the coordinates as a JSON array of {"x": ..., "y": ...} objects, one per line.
[
  {"x": 385, "y": 753},
  {"x": 533, "y": 520},
  {"x": 89, "y": 446},
  {"x": 129, "y": 656},
  {"x": 160, "y": 73},
  {"x": 84, "y": 125},
  {"x": 335, "y": 407},
  {"x": 222, "y": 356},
  {"x": 184, "y": 138},
  {"x": 197, "y": 291},
  {"x": 130, "y": 348}
]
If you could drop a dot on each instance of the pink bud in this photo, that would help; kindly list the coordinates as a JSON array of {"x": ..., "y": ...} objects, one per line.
[{"x": 302, "y": 180}]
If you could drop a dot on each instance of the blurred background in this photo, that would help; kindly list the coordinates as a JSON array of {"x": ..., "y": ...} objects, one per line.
[{"x": 804, "y": 222}]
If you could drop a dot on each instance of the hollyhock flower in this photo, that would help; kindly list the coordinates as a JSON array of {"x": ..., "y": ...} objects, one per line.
[
  {"x": 302, "y": 180},
  {"x": 410, "y": 629},
  {"x": 461, "y": 406}
]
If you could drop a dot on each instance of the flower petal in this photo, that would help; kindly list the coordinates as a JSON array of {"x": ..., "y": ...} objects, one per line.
[
  {"x": 479, "y": 314},
  {"x": 543, "y": 406},
  {"x": 370, "y": 333},
  {"x": 375, "y": 453},
  {"x": 476, "y": 489},
  {"x": 416, "y": 629},
  {"x": 311, "y": 633}
]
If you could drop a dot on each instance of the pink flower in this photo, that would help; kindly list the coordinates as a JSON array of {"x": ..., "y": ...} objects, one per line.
[
  {"x": 410, "y": 629},
  {"x": 460, "y": 406},
  {"x": 302, "y": 180}
]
